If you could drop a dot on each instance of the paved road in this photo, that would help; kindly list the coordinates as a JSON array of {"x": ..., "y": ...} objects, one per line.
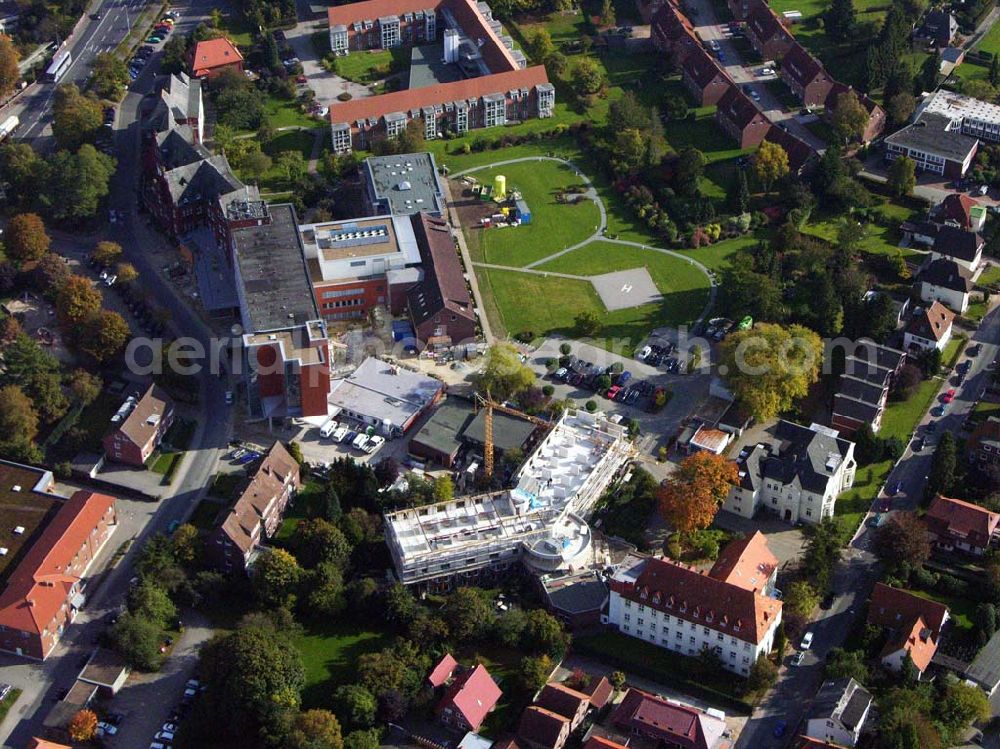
[{"x": 91, "y": 38}]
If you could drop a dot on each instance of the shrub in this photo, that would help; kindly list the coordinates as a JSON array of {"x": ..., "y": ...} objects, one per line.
[
  {"x": 548, "y": 391},
  {"x": 591, "y": 406},
  {"x": 344, "y": 96},
  {"x": 565, "y": 349}
]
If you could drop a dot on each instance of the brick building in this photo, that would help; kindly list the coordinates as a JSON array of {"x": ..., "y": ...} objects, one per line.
[
  {"x": 47, "y": 588},
  {"x": 740, "y": 119},
  {"x": 768, "y": 36},
  {"x": 673, "y": 34},
  {"x": 704, "y": 79},
  {"x": 210, "y": 57},
  {"x": 806, "y": 77},
  {"x": 140, "y": 428}
]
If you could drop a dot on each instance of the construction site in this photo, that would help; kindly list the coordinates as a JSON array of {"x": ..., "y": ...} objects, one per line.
[
  {"x": 540, "y": 522},
  {"x": 499, "y": 206}
]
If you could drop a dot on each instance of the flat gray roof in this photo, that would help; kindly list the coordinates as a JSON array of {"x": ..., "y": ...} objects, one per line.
[
  {"x": 985, "y": 669},
  {"x": 385, "y": 391},
  {"x": 404, "y": 184},
  {"x": 276, "y": 292},
  {"x": 427, "y": 67},
  {"x": 443, "y": 430},
  {"x": 509, "y": 432}
]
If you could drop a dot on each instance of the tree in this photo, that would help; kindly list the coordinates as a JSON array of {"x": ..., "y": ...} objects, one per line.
[
  {"x": 691, "y": 496},
  {"x": 276, "y": 578},
  {"x": 370, "y": 739},
  {"x": 469, "y": 613},
  {"x": 76, "y": 119},
  {"x": 238, "y": 101},
  {"x": 902, "y": 176},
  {"x": 739, "y": 197},
  {"x": 900, "y": 107},
  {"x": 107, "y": 254},
  {"x": 175, "y": 52},
  {"x": 317, "y": 540},
  {"x": 25, "y": 239},
  {"x": 587, "y": 323},
  {"x": 253, "y": 676},
  {"x": 942, "y": 474},
  {"x": 617, "y": 680},
  {"x": 150, "y": 601},
  {"x": 186, "y": 542},
  {"x": 770, "y": 366},
  {"x": 533, "y": 672},
  {"x": 503, "y": 374},
  {"x": 840, "y": 20},
  {"x": 18, "y": 418},
  {"x": 292, "y": 164},
  {"x": 801, "y": 599},
  {"x": 842, "y": 664},
  {"x": 540, "y": 44},
  {"x": 607, "y": 13},
  {"x": 106, "y": 336},
  {"x": 444, "y": 489},
  {"x": 76, "y": 183},
  {"x": 770, "y": 164},
  {"x": 902, "y": 543},
  {"x": 849, "y": 117},
  {"x": 83, "y": 725},
  {"x": 108, "y": 76},
  {"x": 126, "y": 273},
  {"x": 315, "y": 729},
  {"x": 545, "y": 634},
  {"x": 137, "y": 638},
  {"x": 24, "y": 170},
  {"x": 688, "y": 168},
  {"x": 985, "y": 621},
  {"x": 50, "y": 273},
  {"x": 763, "y": 675},
  {"x": 960, "y": 705},
  {"x": 355, "y": 705},
  {"x": 630, "y": 150},
  {"x": 255, "y": 164},
  {"x": 586, "y": 77},
  {"x": 10, "y": 74}
]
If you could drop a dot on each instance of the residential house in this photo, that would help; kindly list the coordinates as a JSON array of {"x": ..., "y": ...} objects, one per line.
[
  {"x": 211, "y": 56},
  {"x": 797, "y": 473},
  {"x": 673, "y": 34},
  {"x": 468, "y": 698},
  {"x": 47, "y": 587},
  {"x": 947, "y": 282},
  {"x": 600, "y": 742},
  {"x": 839, "y": 712},
  {"x": 179, "y": 103},
  {"x": 955, "y": 524},
  {"x": 964, "y": 247},
  {"x": 256, "y": 513},
  {"x": 599, "y": 691},
  {"x": 442, "y": 672},
  {"x": 983, "y": 446},
  {"x": 654, "y": 718},
  {"x": 929, "y": 329},
  {"x": 768, "y": 36},
  {"x": 561, "y": 700},
  {"x": 740, "y": 119},
  {"x": 938, "y": 29},
  {"x": 934, "y": 145},
  {"x": 674, "y": 606},
  {"x": 806, "y": 76},
  {"x": 703, "y": 78},
  {"x": 801, "y": 156},
  {"x": 914, "y": 624},
  {"x": 440, "y": 305},
  {"x": 869, "y": 372},
  {"x": 949, "y": 59},
  {"x": 139, "y": 426},
  {"x": 542, "y": 729},
  {"x": 876, "y": 114},
  {"x": 961, "y": 211}
]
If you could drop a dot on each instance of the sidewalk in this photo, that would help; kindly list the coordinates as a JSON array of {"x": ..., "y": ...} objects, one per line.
[{"x": 470, "y": 272}]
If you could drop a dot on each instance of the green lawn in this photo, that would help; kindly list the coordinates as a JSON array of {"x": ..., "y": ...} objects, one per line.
[
  {"x": 949, "y": 357},
  {"x": 554, "y": 226},
  {"x": 287, "y": 113},
  {"x": 879, "y": 240},
  {"x": 716, "y": 256},
  {"x": 365, "y": 67},
  {"x": 275, "y": 179},
  {"x": 985, "y": 409},
  {"x": 991, "y": 42},
  {"x": 8, "y": 702},
  {"x": 962, "y": 610},
  {"x": 329, "y": 653},
  {"x": 164, "y": 463},
  {"x": 990, "y": 276}
]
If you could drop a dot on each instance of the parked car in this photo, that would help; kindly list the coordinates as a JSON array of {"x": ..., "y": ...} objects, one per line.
[
  {"x": 644, "y": 353},
  {"x": 230, "y": 398},
  {"x": 106, "y": 729},
  {"x": 613, "y": 391},
  {"x": 339, "y": 434},
  {"x": 374, "y": 443},
  {"x": 360, "y": 441},
  {"x": 807, "y": 641},
  {"x": 877, "y": 520},
  {"x": 949, "y": 396},
  {"x": 797, "y": 659},
  {"x": 624, "y": 377}
]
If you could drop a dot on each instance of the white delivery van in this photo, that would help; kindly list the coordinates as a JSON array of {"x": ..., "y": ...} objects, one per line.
[{"x": 328, "y": 428}]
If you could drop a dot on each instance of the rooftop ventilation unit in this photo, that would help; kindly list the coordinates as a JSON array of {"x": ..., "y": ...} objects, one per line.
[{"x": 19, "y": 530}]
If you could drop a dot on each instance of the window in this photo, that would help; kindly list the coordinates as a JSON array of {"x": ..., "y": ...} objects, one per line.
[
  {"x": 691, "y": 640},
  {"x": 628, "y": 617},
  {"x": 640, "y": 622}
]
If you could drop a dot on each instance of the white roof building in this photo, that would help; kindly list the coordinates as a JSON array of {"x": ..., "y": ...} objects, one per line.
[{"x": 384, "y": 395}]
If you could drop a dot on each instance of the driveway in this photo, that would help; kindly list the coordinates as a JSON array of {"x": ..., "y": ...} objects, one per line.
[{"x": 326, "y": 85}]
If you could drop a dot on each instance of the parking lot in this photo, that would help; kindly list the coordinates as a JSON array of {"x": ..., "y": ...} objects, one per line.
[{"x": 327, "y": 86}]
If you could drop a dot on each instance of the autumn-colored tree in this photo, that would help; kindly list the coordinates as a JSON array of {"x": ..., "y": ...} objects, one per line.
[
  {"x": 85, "y": 386},
  {"x": 902, "y": 544},
  {"x": 83, "y": 725},
  {"x": 849, "y": 118},
  {"x": 9, "y": 72},
  {"x": 690, "y": 498},
  {"x": 107, "y": 253},
  {"x": 107, "y": 334},
  {"x": 769, "y": 366},
  {"x": 26, "y": 240},
  {"x": 77, "y": 301},
  {"x": 770, "y": 164},
  {"x": 10, "y": 329},
  {"x": 18, "y": 418},
  {"x": 126, "y": 273},
  {"x": 315, "y": 729}
]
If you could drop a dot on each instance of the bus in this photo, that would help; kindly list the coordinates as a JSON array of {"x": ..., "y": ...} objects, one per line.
[
  {"x": 60, "y": 64},
  {"x": 8, "y": 126}
]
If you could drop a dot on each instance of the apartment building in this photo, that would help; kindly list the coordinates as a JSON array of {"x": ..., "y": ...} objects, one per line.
[
  {"x": 806, "y": 76},
  {"x": 139, "y": 426},
  {"x": 678, "y": 607},
  {"x": 935, "y": 144},
  {"x": 47, "y": 588},
  {"x": 957, "y": 525},
  {"x": 673, "y": 34},
  {"x": 257, "y": 512},
  {"x": 796, "y": 473},
  {"x": 869, "y": 373},
  {"x": 703, "y": 78},
  {"x": 542, "y": 521},
  {"x": 740, "y": 118},
  {"x": 876, "y": 115},
  {"x": 768, "y": 35}
]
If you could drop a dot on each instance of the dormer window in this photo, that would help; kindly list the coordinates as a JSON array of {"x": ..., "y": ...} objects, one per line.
[
  {"x": 709, "y": 617},
  {"x": 684, "y": 606},
  {"x": 697, "y": 612},
  {"x": 644, "y": 593},
  {"x": 670, "y": 602},
  {"x": 656, "y": 598}
]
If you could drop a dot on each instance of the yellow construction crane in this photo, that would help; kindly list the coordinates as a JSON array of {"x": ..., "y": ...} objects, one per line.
[{"x": 489, "y": 404}]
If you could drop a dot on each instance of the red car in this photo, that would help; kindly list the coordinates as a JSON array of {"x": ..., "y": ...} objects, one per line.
[
  {"x": 949, "y": 396},
  {"x": 612, "y": 392},
  {"x": 301, "y": 79}
]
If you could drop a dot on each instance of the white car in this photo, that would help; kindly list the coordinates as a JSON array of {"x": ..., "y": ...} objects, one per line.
[
  {"x": 807, "y": 641},
  {"x": 360, "y": 441},
  {"x": 646, "y": 351},
  {"x": 766, "y": 71},
  {"x": 374, "y": 443},
  {"x": 798, "y": 658},
  {"x": 164, "y": 736},
  {"x": 754, "y": 95},
  {"x": 230, "y": 398},
  {"x": 328, "y": 428},
  {"x": 170, "y": 727},
  {"x": 110, "y": 280},
  {"x": 106, "y": 729},
  {"x": 338, "y": 436}
]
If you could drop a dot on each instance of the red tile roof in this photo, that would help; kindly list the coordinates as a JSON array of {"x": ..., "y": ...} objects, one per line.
[
  {"x": 747, "y": 562},
  {"x": 37, "y": 743},
  {"x": 763, "y": 23},
  {"x": 896, "y": 608},
  {"x": 498, "y": 58},
  {"x": 40, "y": 585},
  {"x": 957, "y": 207},
  {"x": 213, "y": 53},
  {"x": 678, "y": 725},
  {"x": 962, "y": 520},
  {"x": 933, "y": 323},
  {"x": 916, "y": 640},
  {"x": 599, "y": 742},
  {"x": 806, "y": 742},
  {"x": 473, "y": 694},
  {"x": 702, "y": 68},
  {"x": 442, "y": 671},
  {"x": 373, "y": 107},
  {"x": 562, "y": 700},
  {"x": 600, "y": 691},
  {"x": 370, "y": 10},
  {"x": 543, "y": 727},
  {"x": 241, "y": 525}
]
